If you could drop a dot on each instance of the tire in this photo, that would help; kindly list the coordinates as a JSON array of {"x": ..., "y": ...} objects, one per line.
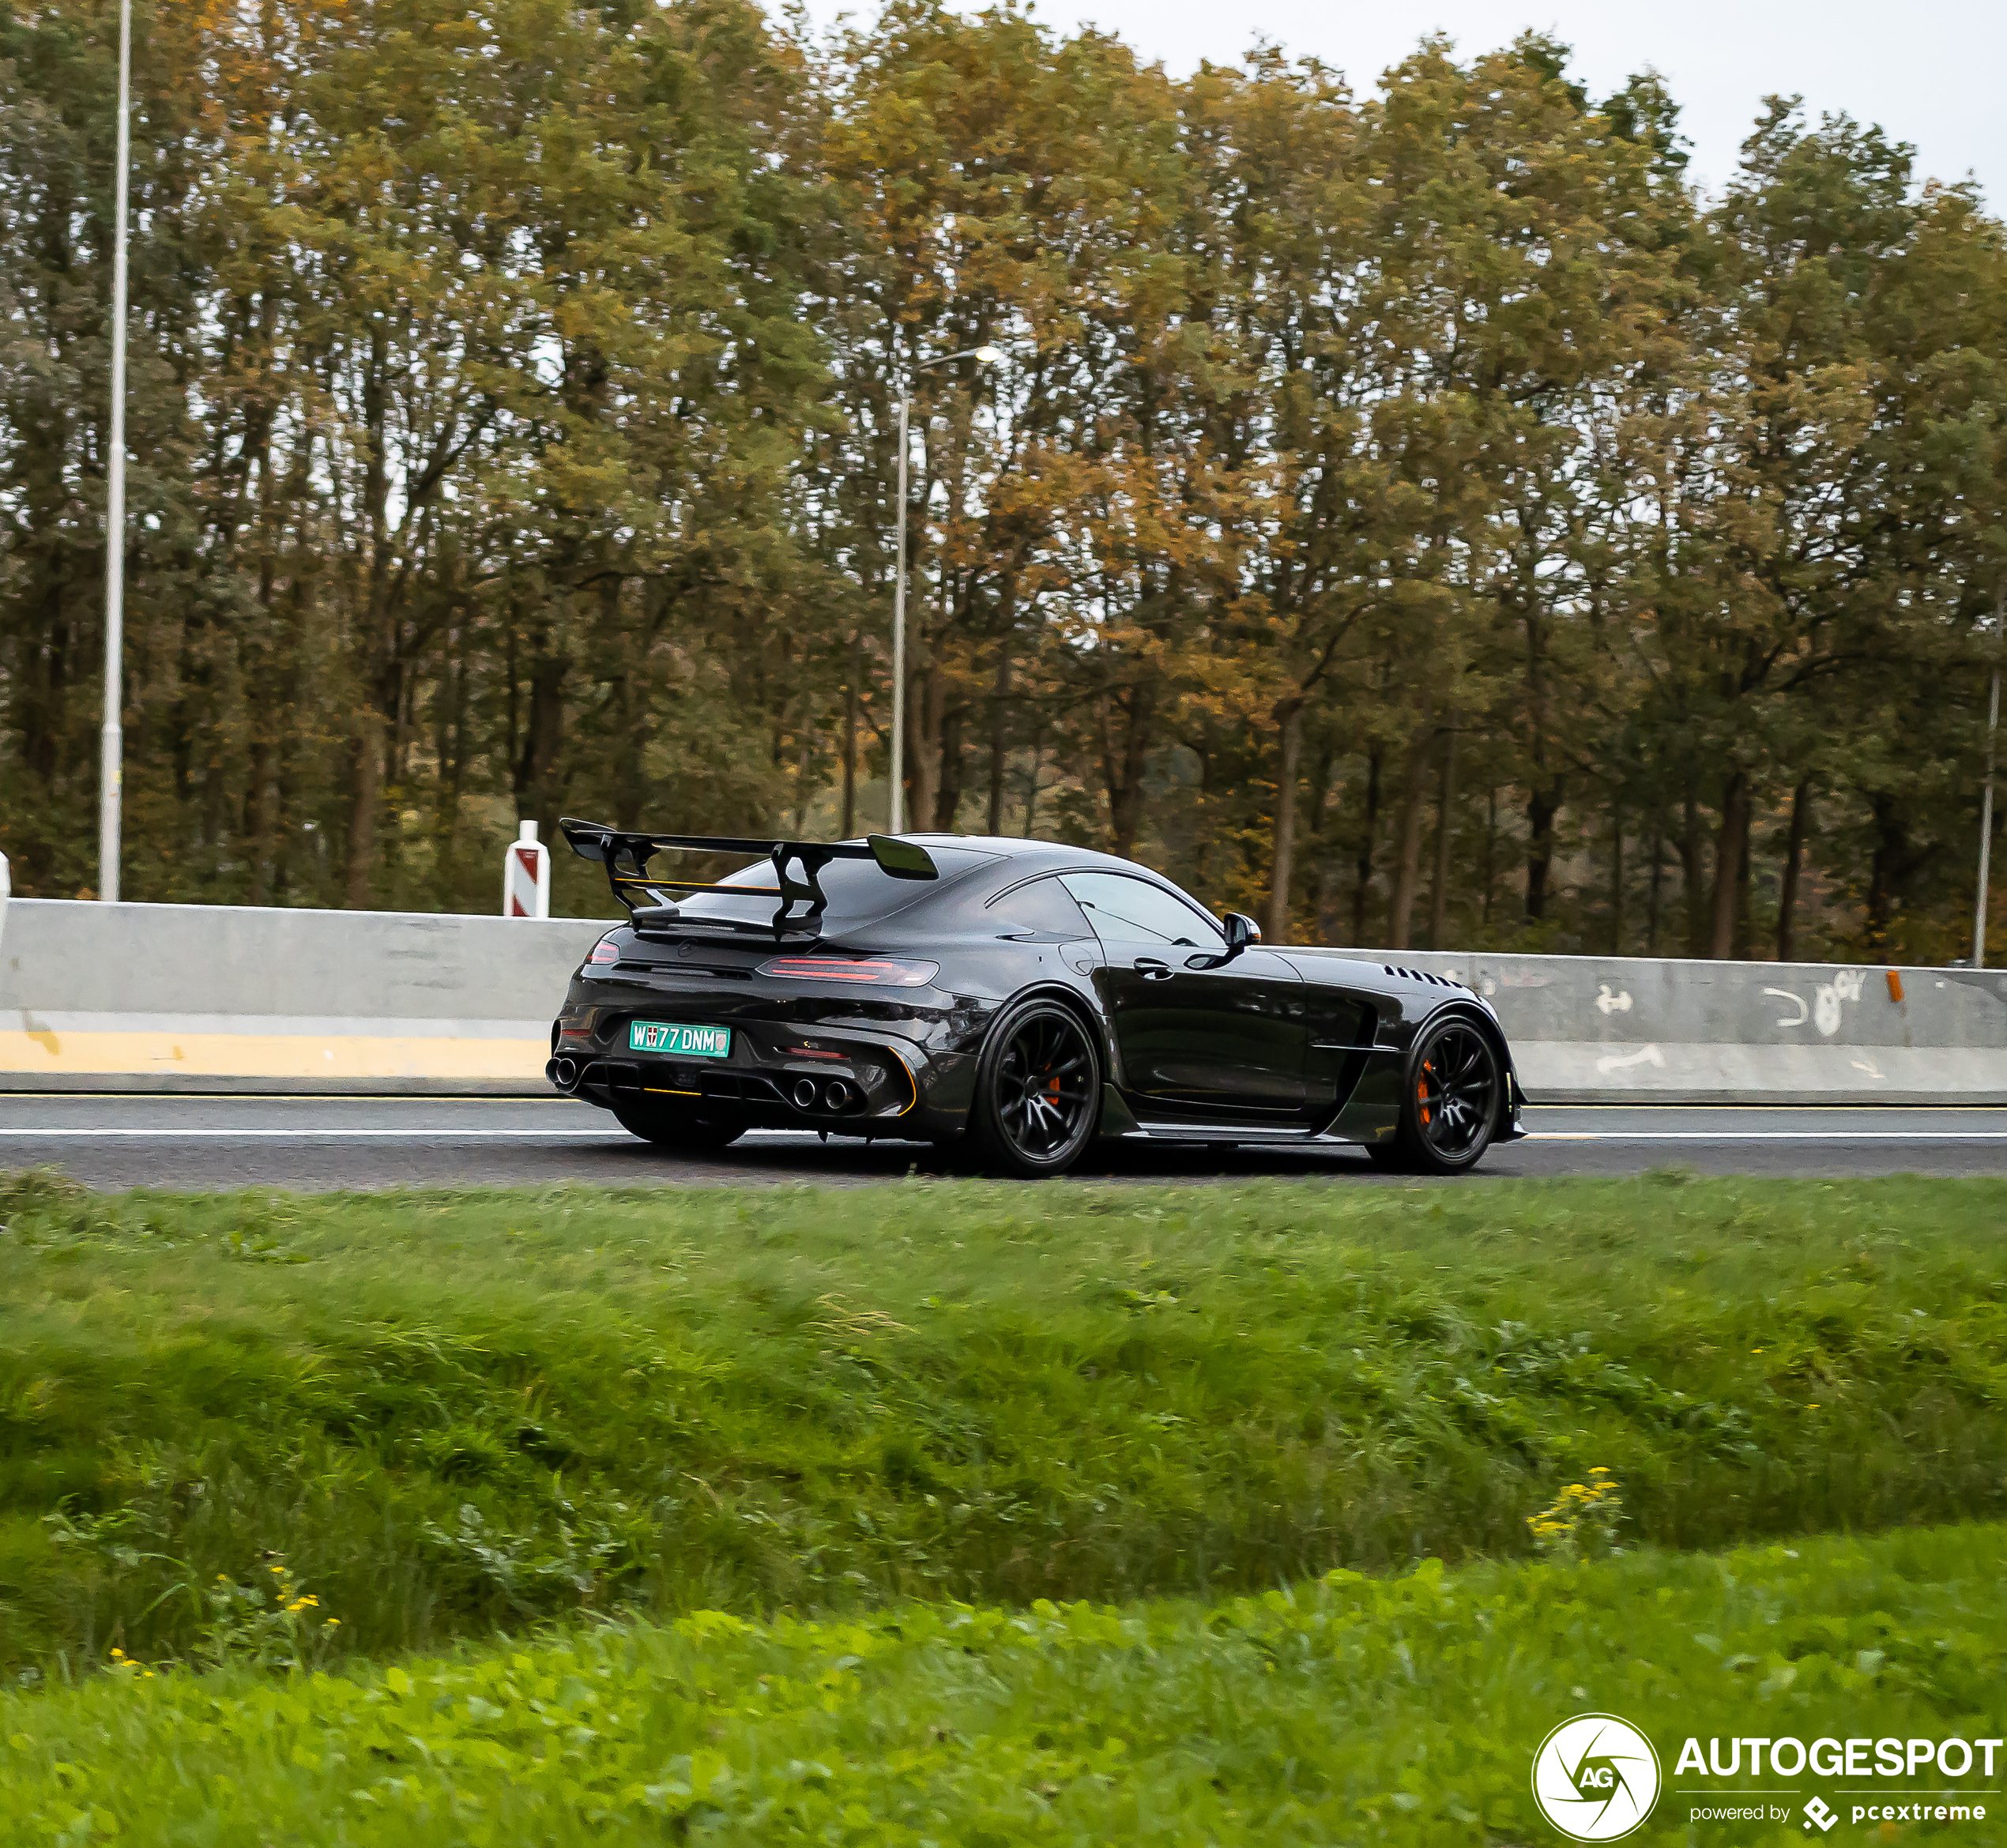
[
  {"x": 1038, "y": 1099},
  {"x": 668, "y": 1127},
  {"x": 1451, "y": 1102}
]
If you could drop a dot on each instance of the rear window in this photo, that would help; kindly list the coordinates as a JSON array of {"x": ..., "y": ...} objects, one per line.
[
  {"x": 1043, "y": 908},
  {"x": 858, "y": 890}
]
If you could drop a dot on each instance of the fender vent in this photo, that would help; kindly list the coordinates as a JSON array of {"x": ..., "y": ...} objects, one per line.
[{"x": 1422, "y": 975}]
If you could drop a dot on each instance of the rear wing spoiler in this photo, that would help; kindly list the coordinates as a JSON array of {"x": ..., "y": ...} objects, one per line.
[{"x": 796, "y": 865}]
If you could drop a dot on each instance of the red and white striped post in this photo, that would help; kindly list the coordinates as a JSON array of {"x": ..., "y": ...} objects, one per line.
[{"x": 526, "y": 875}]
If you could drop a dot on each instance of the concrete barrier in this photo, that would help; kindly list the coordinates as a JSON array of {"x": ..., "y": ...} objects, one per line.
[
  {"x": 196, "y": 997},
  {"x": 215, "y": 998},
  {"x": 1613, "y": 1029}
]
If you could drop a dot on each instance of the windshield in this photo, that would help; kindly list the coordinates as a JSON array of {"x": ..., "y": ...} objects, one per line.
[{"x": 858, "y": 890}]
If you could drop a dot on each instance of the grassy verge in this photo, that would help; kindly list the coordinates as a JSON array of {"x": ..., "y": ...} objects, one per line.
[
  {"x": 1403, "y": 1711},
  {"x": 444, "y": 1414}
]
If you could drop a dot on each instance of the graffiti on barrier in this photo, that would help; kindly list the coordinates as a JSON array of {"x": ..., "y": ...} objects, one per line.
[
  {"x": 1825, "y": 1012},
  {"x": 1619, "y": 1061}
]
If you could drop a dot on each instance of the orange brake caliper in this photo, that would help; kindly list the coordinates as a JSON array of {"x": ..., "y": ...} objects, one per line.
[{"x": 1421, "y": 1092}]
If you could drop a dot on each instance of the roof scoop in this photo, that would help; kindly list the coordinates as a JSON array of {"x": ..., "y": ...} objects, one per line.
[{"x": 903, "y": 859}]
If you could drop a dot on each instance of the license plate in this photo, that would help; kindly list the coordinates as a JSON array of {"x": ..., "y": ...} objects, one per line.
[{"x": 678, "y": 1042}]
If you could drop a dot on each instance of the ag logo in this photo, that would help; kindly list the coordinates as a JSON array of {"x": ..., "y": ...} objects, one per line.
[{"x": 1595, "y": 1777}]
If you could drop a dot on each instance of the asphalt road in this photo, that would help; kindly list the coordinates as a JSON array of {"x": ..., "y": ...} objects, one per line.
[{"x": 313, "y": 1143}]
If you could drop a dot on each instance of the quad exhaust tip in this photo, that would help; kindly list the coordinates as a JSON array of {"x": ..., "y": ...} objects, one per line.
[
  {"x": 564, "y": 1073},
  {"x": 828, "y": 1097}
]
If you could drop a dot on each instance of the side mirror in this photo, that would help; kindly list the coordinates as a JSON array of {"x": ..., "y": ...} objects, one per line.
[{"x": 1241, "y": 931}]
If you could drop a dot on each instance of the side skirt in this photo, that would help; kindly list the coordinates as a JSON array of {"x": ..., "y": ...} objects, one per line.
[{"x": 1119, "y": 1122}]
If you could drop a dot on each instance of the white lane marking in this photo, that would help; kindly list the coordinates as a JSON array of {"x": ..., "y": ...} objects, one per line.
[
  {"x": 1766, "y": 1135},
  {"x": 448, "y": 1134},
  {"x": 443, "y": 1133},
  {"x": 171, "y": 1135},
  {"x": 1612, "y": 1110}
]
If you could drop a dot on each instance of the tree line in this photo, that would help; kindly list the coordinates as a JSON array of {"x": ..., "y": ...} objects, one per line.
[{"x": 1414, "y": 513}]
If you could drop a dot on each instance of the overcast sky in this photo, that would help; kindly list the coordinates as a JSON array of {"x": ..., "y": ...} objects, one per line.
[{"x": 1929, "y": 71}]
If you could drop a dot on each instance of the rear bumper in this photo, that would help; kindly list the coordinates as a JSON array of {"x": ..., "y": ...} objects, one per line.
[
  {"x": 894, "y": 1063},
  {"x": 848, "y": 1083}
]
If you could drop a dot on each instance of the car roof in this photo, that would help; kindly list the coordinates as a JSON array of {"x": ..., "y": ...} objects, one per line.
[{"x": 1014, "y": 847}]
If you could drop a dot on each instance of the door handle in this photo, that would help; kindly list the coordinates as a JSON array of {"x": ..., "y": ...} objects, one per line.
[{"x": 1151, "y": 970}]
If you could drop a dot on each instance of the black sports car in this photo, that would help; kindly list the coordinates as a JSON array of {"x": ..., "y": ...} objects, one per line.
[{"x": 1027, "y": 996}]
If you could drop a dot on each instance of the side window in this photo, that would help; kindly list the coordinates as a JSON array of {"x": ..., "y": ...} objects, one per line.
[
  {"x": 1133, "y": 911},
  {"x": 1043, "y": 906}
]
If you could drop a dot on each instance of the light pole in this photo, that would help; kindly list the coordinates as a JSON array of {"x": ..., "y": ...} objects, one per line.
[
  {"x": 111, "y": 767},
  {"x": 983, "y": 356},
  {"x": 1985, "y": 801}
]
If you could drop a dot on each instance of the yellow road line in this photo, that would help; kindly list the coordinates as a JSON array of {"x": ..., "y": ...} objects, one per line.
[{"x": 268, "y": 1055}]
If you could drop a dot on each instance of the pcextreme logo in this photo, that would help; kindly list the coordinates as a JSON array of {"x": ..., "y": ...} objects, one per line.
[{"x": 1595, "y": 1777}]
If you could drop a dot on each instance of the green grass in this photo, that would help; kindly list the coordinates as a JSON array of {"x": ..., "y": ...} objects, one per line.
[
  {"x": 1404, "y": 1711},
  {"x": 448, "y": 1414}
]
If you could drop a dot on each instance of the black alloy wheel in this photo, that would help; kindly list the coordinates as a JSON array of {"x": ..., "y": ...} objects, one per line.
[
  {"x": 1037, "y": 1091},
  {"x": 1455, "y": 1086},
  {"x": 656, "y": 1121}
]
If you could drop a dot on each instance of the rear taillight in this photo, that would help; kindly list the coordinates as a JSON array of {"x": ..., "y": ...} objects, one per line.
[
  {"x": 605, "y": 951},
  {"x": 883, "y": 971}
]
